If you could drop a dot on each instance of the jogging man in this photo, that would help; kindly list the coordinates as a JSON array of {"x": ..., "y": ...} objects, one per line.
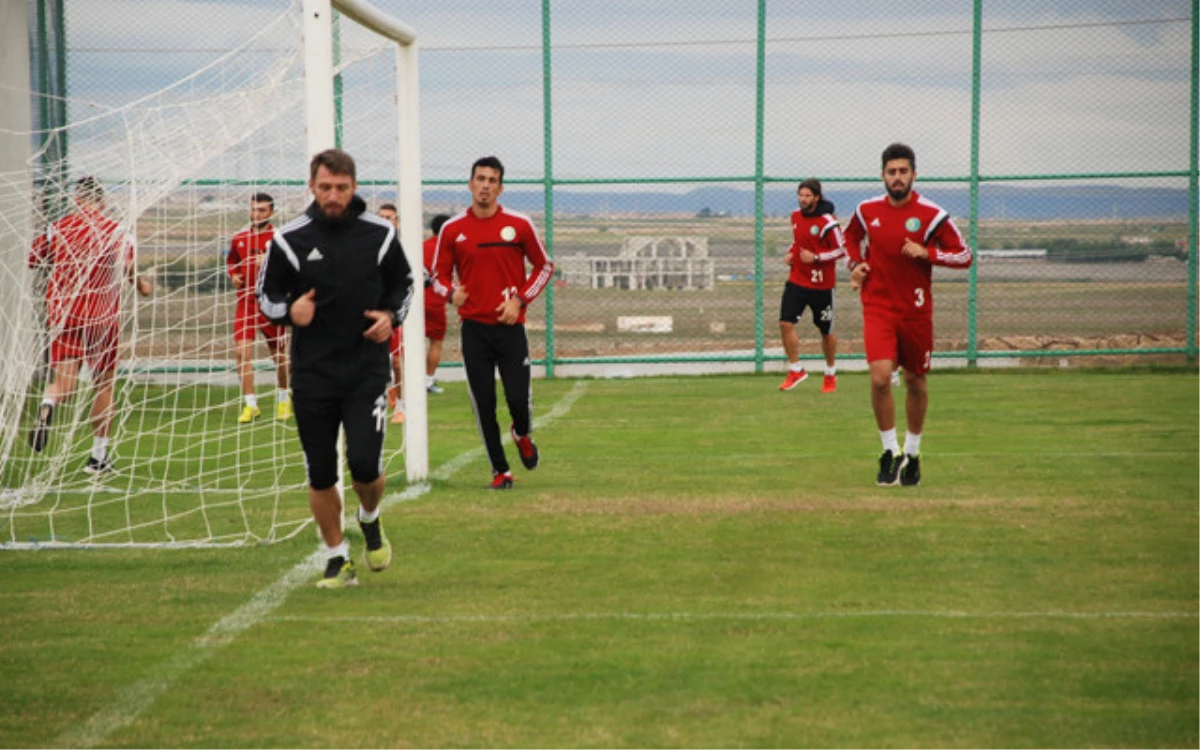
[
  {"x": 245, "y": 256},
  {"x": 905, "y": 236},
  {"x": 86, "y": 254},
  {"x": 487, "y": 245},
  {"x": 817, "y": 244},
  {"x": 338, "y": 276}
]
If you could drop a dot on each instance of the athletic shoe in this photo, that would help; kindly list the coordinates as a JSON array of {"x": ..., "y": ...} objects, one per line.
[
  {"x": 829, "y": 384},
  {"x": 339, "y": 574},
  {"x": 283, "y": 410},
  {"x": 910, "y": 472},
  {"x": 503, "y": 481},
  {"x": 527, "y": 449},
  {"x": 889, "y": 469},
  {"x": 793, "y": 379},
  {"x": 249, "y": 414},
  {"x": 398, "y": 416},
  {"x": 435, "y": 389},
  {"x": 379, "y": 549},
  {"x": 97, "y": 467},
  {"x": 41, "y": 427}
]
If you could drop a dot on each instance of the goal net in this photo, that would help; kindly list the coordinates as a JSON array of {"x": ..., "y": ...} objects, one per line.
[{"x": 178, "y": 168}]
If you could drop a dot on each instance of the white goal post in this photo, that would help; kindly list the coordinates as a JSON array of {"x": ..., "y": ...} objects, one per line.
[{"x": 320, "y": 120}]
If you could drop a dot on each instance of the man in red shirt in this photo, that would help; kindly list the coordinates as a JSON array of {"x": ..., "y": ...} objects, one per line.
[
  {"x": 86, "y": 254},
  {"x": 905, "y": 235},
  {"x": 487, "y": 246},
  {"x": 395, "y": 392},
  {"x": 435, "y": 310},
  {"x": 246, "y": 251},
  {"x": 816, "y": 246}
]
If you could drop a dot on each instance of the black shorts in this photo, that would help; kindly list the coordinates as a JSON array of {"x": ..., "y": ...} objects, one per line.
[
  {"x": 364, "y": 414},
  {"x": 820, "y": 301}
]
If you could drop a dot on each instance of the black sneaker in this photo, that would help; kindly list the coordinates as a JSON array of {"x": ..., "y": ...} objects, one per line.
[
  {"x": 527, "y": 449},
  {"x": 97, "y": 467},
  {"x": 502, "y": 481},
  {"x": 910, "y": 472},
  {"x": 889, "y": 469},
  {"x": 41, "y": 427}
]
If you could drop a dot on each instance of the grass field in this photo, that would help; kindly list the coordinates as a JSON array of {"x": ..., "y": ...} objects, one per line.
[{"x": 699, "y": 562}]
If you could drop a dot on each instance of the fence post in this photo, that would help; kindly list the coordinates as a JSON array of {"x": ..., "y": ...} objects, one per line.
[
  {"x": 973, "y": 240},
  {"x": 760, "y": 97},
  {"x": 1193, "y": 192},
  {"x": 548, "y": 181}
]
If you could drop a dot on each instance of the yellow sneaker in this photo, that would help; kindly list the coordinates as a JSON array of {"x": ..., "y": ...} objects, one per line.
[
  {"x": 339, "y": 574},
  {"x": 249, "y": 414},
  {"x": 379, "y": 549},
  {"x": 283, "y": 410}
]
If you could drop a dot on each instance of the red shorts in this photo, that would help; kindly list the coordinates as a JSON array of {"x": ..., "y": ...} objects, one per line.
[
  {"x": 94, "y": 343},
  {"x": 435, "y": 321},
  {"x": 248, "y": 320},
  {"x": 907, "y": 342}
]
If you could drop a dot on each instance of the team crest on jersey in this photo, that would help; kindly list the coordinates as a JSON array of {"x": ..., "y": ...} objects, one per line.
[
  {"x": 508, "y": 234},
  {"x": 813, "y": 230},
  {"x": 913, "y": 224}
]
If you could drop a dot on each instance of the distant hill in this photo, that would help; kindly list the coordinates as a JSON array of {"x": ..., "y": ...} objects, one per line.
[{"x": 1070, "y": 202}]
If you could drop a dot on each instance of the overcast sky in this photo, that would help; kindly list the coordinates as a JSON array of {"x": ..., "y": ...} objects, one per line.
[{"x": 667, "y": 88}]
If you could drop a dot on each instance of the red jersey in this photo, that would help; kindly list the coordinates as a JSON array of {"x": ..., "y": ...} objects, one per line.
[
  {"x": 897, "y": 283},
  {"x": 820, "y": 235},
  {"x": 88, "y": 254},
  {"x": 247, "y": 250},
  {"x": 489, "y": 256},
  {"x": 432, "y": 298}
]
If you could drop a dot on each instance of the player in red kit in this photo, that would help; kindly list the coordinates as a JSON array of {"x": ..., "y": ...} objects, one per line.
[
  {"x": 893, "y": 242},
  {"x": 487, "y": 246},
  {"x": 435, "y": 310},
  {"x": 246, "y": 251},
  {"x": 388, "y": 212},
  {"x": 86, "y": 254},
  {"x": 817, "y": 244}
]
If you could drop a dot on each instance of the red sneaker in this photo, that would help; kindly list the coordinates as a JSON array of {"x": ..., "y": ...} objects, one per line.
[
  {"x": 829, "y": 384},
  {"x": 527, "y": 449},
  {"x": 793, "y": 379},
  {"x": 502, "y": 481}
]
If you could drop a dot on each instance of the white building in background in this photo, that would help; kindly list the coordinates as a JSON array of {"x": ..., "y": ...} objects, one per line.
[{"x": 644, "y": 263}]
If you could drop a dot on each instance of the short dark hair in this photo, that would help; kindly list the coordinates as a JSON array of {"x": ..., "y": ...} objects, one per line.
[
  {"x": 813, "y": 185},
  {"x": 490, "y": 162},
  {"x": 89, "y": 189},
  {"x": 335, "y": 161},
  {"x": 388, "y": 207},
  {"x": 437, "y": 222},
  {"x": 263, "y": 198},
  {"x": 899, "y": 151}
]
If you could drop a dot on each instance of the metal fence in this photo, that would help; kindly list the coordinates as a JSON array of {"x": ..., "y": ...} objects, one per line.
[{"x": 658, "y": 146}]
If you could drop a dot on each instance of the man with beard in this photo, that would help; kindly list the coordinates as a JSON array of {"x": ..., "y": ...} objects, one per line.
[
  {"x": 905, "y": 235},
  {"x": 338, "y": 276},
  {"x": 246, "y": 251},
  {"x": 816, "y": 246}
]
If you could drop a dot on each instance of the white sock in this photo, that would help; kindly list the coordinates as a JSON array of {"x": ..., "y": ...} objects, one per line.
[
  {"x": 888, "y": 437},
  {"x": 281, "y": 395},
  {"x": 49, "y": 401},
  {"x": 796, "y": 366},
  {"x": 399, "y": 404},
  {"x": 342, "y": 551},
  {"x": 831, "y": 371},
  {"x": 429, "y": 381},
  {"x": 912, "y": 443},
  {"x": 252, "y": 401},
  {"x": 99, "y": 448},
  {"x": 366, "y": 517}
]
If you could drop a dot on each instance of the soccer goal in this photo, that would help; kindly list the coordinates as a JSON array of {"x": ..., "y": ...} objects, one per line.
[{"x": 178, "y": 168}]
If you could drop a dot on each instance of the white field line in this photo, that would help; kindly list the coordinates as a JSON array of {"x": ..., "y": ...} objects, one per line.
[
  {"x": 743, "y": 616},
  {"x": 133, "y": 699}
]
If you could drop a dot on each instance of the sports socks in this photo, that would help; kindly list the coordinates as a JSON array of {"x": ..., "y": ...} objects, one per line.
[
  {"x": 252, "y": 401},
  {"x": 912, "y": 443},
  {"x": 796, "y": 366},
  {"x": 365, "y": 517},
  {"x": 888, "y": 437},
  {"x": 99, "y": 448},
  {"x": 342, "y": 550},
  {"x": 831, "y": 371},
  {"x": 281, "y": 395}
]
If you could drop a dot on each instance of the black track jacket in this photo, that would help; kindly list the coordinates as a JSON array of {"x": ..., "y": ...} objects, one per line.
[{"x": 355, "y": 263}]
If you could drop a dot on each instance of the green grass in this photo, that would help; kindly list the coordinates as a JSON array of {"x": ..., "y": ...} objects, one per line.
[{"x": 699, "y": 562}]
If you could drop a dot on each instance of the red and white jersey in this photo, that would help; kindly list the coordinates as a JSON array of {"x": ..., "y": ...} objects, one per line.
[
  {"x": 432, "y": 298},
  {"x": 489, "y": 257},
  {"x": 247, "y": 250},
  {"x": 821, "y": 235},
  {"x": 896, "y": 282},
  {"x": 88, "y": 254}
]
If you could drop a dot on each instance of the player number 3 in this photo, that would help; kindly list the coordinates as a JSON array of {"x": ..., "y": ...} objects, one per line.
[{"x": 920, "y": 294}]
